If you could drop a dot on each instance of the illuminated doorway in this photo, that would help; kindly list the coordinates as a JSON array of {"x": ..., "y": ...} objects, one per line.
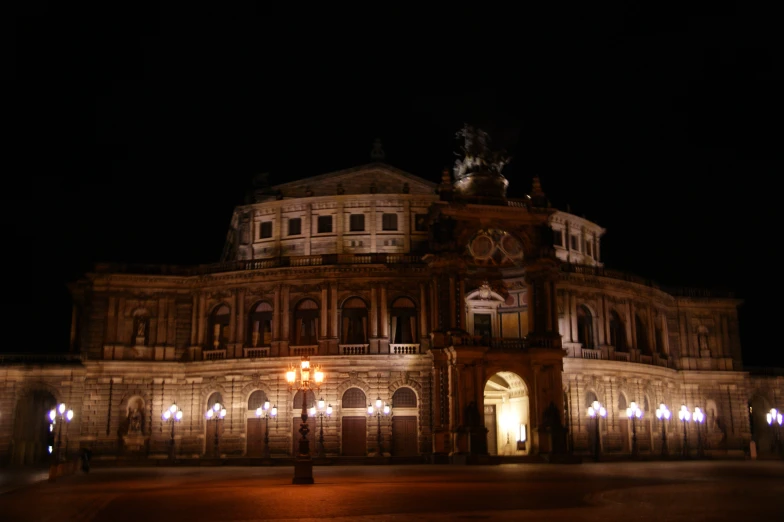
[{"x": 507, "y": 416}]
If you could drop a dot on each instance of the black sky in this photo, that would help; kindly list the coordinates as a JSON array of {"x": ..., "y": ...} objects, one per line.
[{"x": 141, "y": 131}]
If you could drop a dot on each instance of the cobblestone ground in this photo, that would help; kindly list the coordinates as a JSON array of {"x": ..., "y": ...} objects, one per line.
[{"x": 689, "y": 491}]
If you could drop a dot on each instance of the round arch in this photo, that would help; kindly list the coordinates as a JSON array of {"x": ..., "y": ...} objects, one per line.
[{"x": 507, "y": 415}]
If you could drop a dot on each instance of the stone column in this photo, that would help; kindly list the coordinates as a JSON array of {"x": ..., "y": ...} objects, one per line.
[
  {"x": 373, "y": 311},
  {"x": 286, "y": 313},
  {"x": 323, "y": 311},
  {"x": 452, "y": 296},
  {"x": 307, "y": 227},
  {"x": 383, "y": 311},
  {"x": 572, "y": 315},
  {"x": 241, "y": 323},
  {"x": 276, "y": 309},
  {"x": 334, "y": 311},
  {"x": 422, "y": 311},
  {"x": 202, "y": 319},
  {"x": 195, "y": 320}
]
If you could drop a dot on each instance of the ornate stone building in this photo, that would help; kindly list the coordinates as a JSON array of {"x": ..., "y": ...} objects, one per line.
[{"x": 488, "y": 324}]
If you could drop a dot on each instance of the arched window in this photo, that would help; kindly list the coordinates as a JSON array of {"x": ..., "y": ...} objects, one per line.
[
  {"x": 215, "y": 397},
  {"x": 584, "y": 327},
  {"x": 260, "y": 325},
  {"x": 659, "y": 334},
  {"x": 311, "y": 401},
  {"x": 354, "y": 321},
  {"x": 622, "y": 403},
  {"x": 404, "y": 398},
  {"x": 354, "y": 398},
  {"x": 306, "y": 322},
  {"x": 617, "y": 332},
  {"x": 403, "y": 325},
  {"x": 589, "y": 398},
  {"x": 219, "y": 327},
  {"x": 256, "y": 400},
  {"x": 642, "y": 336}
]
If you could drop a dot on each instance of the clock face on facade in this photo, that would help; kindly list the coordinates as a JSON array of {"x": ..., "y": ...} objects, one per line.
[{"x": 496, "y": 248}]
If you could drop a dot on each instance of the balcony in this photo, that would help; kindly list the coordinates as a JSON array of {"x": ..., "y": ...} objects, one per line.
[
  {"x": 353, "y": 349},
  {"x": 301, "y": 351},
  {"x": 258, "y": 264},
  {"x": 404, "y": 349},
  {"x": 256, "y": 352},
  {"x": 213, "y": 355}
]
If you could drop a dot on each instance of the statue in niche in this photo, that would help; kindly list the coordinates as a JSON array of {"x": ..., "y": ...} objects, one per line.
[
  {"x": 135, "y": 417},
  {"x": 140, "y": 327}
]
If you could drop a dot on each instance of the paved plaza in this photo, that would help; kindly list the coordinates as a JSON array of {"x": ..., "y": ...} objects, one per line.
[{"x": 672, "y": 491}]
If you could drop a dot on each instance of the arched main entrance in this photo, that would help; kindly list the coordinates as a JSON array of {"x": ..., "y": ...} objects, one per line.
[
  {"x": 507, "y": 417},
  {"x": 32, "y": 437}
]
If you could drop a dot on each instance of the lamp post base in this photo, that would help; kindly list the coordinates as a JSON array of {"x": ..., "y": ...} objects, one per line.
[{"x": 303, "y": 471}]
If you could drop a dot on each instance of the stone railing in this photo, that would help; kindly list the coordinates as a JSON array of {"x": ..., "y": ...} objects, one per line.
[
  {"x": 621, "y": 356},
  {"x": 646, "y": 359},
  {"x": 36, "y": 358},
  {"x": 260, "y": 351},
  {"x": 406, "y": 349},
  {"x": 508, "y": 344},
  {"x": 675, "y": 291},
  {"x": 213, "y": 355},
  {"x": 353, "y": 349},
  {"x": 300, "y": 351},
  {"x": 588, "y": 353},
  {"x": 257, "y": 264}
]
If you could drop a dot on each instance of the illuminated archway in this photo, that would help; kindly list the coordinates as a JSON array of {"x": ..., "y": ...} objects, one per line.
[{"x": 507, "y": 415}]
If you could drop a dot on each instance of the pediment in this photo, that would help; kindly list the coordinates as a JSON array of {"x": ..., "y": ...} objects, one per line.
[{"x": 376, "y": 178}]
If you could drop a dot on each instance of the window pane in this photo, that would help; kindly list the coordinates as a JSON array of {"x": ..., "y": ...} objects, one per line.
[
  {"x": 357, "y": 223},
  {"x": 324, "y": 224},
  {"x": 389, "y": 222},
  {"x": 420, "y": 222},
  {"x": 295, "y": 226},
  {"x": 266, "y": 229}
]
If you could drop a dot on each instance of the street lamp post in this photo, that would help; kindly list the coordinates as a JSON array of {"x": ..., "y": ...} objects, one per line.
[
  {"x": 699, "y": 418},
  {"x": 64, "y": 415},
  {"x": 684, "y": 415},
  {"x": 377, "y": 410},
  {"x": 172, "y": 415},
  {"x": 663, "y": 414},
  {"x": 322, "y": 411},
  {"x": 265, "y": 413},
  {"x": 596, "y": 411},
  {"x": 774, "y": 417},
  {"x": 216, "y": 413},
  {"x": 634, "y": 412},
  {"x": 308, "y": 377}
]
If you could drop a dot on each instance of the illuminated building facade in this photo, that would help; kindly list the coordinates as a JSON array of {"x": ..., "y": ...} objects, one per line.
[{"x": 487, "y": 324}]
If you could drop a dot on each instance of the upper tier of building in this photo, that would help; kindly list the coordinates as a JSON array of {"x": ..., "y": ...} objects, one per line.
[{"x": 371, "y": 209}]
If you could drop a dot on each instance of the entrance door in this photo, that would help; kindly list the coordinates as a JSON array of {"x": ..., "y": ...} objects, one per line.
[
  {"x": 209, "y": 441},
  {"x": 255, "y": 437},
  {"x": 490, "y": 424},
  {"x": 404, "y": 436},
  {"x": 623, "y": 424},
  {"x": 297, "y": 436},
  {"x": 354, "y": 436}
]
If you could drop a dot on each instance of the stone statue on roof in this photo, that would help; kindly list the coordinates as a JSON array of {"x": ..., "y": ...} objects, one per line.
[{"x": 477, "y": 155}]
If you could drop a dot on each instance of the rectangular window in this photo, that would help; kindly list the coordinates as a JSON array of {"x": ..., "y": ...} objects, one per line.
[
  {"x": 389, "y": 222},
  {"x": 295, "y": 226},
  {"x": 482, "y": 325},
  {"x": 575, "y": 243},
  {"x": 558, "y": 238},
  {"x": 266, "y": 229},
  {"x": 420, "y": 222},
  {"x": 589, "y": 248},
  {"x": 324, "y": 224},
  {"x": 357, "y": 223}
]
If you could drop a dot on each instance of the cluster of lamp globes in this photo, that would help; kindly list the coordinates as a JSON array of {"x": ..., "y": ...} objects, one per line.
[
  {"x": 774, "y": 417},
  {"x": 52, "y": 415},
  {"x": 662, "y": 412},
  {"x": 172, "y": 413}
]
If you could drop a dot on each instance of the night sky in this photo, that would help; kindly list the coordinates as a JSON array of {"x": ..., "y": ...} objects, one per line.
[{"x": 141, "y": 131}]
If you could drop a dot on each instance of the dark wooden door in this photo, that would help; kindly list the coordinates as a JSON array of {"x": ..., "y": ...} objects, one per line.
[
  {"x": 255, "y": 437},
  {"x": 209, "y": 442},
  {"x": 490, "y": 424},
  {"x": 623, "y": 424},
  {"x": 354, "y": 436},
  {"x": 404, "y": 436},
  {"x": 297, "y": 436}
]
